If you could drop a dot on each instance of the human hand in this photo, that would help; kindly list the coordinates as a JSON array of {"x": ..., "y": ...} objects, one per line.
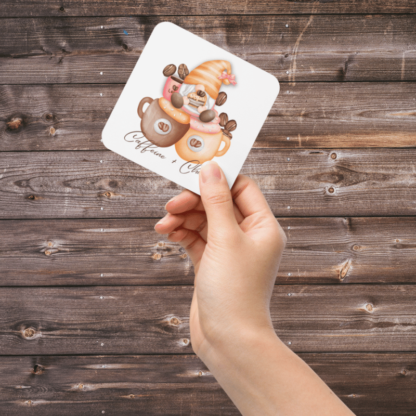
[{"x": 235, "y": 244}]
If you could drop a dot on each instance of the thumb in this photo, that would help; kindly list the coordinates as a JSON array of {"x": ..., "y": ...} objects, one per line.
[{"x": 217, "y": 200}]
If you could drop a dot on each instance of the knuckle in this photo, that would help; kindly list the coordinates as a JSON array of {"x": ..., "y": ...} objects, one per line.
[
  {"x": 189, "y": 244},
  {"x": 282, "y": 235},
  {"x": 219, "y": 198},
  {"x": 201, "y": 227},
  {"x": 278, "y": 237}
]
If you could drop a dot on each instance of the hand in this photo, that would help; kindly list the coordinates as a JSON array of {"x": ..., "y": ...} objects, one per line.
[{"x": 235, "y": 244}]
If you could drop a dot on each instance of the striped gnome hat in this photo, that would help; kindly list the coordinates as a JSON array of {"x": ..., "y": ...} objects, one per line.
[{"x": 211, "y": 75}]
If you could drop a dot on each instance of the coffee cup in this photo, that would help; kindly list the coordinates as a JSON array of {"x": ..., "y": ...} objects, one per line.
[
  {"x": 173, "y": 84},
  {"x": 199, "y": 147},
  {"x": 161, "y": 123}
]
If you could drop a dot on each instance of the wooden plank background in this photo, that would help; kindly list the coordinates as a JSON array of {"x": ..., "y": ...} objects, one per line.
[
  {"x": 347, "y": 182},
  {"x": 311, "y": 48},
  {"x": 82, "y": 272},
  {"x": 148, "y": 320},
  {"x": 323, "y": 250},
  {"x": 312, "y": 115},
  {"x": 188, "y": 8},
  {"x": 162, "y": 384}
]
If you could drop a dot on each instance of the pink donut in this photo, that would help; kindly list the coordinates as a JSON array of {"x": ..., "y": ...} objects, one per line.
[{"x": 210, "y": 128}]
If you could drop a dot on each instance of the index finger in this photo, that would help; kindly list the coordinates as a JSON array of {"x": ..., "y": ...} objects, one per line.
[
  {"x": 188, "y": 201},
  {"x": 185, "y": 201},
  {"x": 248, "y": 197}
]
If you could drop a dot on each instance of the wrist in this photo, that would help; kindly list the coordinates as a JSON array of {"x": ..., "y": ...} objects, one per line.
[{"x": 234, "y": 347}]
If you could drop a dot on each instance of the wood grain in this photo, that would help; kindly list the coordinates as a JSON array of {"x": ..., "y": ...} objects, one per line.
[
  {"x": 174, "y": 385},
  {"x": 311, "y": 48},
  {"x": 144, "y": 320},
  {"x": 312, "y": 115},
  {"x": 31, "y": 8},
  {"x": 101, "y": 184},
  {"x": 129, "y": 252}
]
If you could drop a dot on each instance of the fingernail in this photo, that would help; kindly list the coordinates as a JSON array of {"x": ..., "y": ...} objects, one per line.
[
  {"x": 170, "y": 200},
  {"x": 210, "y": 172}
]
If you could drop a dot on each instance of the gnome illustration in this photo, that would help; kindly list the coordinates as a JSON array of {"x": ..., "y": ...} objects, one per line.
[{"x": 200, "y": 90}]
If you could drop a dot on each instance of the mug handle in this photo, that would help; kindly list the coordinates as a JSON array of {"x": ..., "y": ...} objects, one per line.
[
  {"x": 144, "y": 100},
  {"x": 227, "y": 142}
]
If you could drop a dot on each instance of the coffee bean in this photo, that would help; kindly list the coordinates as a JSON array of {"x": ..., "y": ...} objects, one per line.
[
  {"x": 207, "y": 116},
  {"x": 231, "y": 125},
  {"x": 221, "y": 99},
  {"x": 183, "y": 71},
  {"x": 195, "y": 143},
  {"x": 223, "y": 119},
  {"x": 169, "y": 70},
  {"x": 163, "y": 126},
  {"x": 176, "y": 100},
  {"x": 201, "y": 93},
  {"x": 175, "y": 88},
  {"x": 227, "y": 133}
]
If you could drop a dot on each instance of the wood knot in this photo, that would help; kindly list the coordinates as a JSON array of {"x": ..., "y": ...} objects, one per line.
[
  {"x": 48, "y": 252},
  {"x": 345, "y": 267},
  {"x": 48, "y": 117},
  {"x": 107, "y": 194},
  {"x": 174, "y": 321},
  {"x": 38, "y": 369},
  {"x": 156, "y": 256},
  {"x": 356, "y": 248},
  {"x": 369, "y": 307},
  {"x": 52, "y": 131},
  {"x": 331, "y": 190},
  {"x": 29, "y": 333},
  {"x": 183, "y": 256},
  {"x": 185, "y": 341},
  {"x": 50, "y": 244},
  {"x": 333, "y": 155},
  {"x": 353, "y": 396},
  {"x": 32, "y": 197},
  {"x": 131, "y": 396},
  {"x": 403, "y": 372},
  {"x": 161, "y": 244},
  {"x": 15, "y": 123},
  {"x": 80, "y": 386},
  {"x": 28, "y": 402},
  {"x": 200, "y": 374},
  {"x": 62, "y": 9}
]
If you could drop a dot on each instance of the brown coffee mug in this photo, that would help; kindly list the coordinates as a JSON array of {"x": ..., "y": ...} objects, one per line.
[
  {"x": 162, "y": 124},
  {"x": 199, "y": 147}
]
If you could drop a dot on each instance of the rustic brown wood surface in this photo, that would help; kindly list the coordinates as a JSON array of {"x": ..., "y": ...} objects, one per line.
[
  {"x": 102, "y": 184},
  {"x": 311, "y": 48},
  {"x": 149, "y": 320},
  {"x": 129, "y": 385},
  {"x": 82, "y": 272},
  {"x": 188, "y": 8},
  {"x": 129, "y": 252},
  {"x": 313, "y": 115}
]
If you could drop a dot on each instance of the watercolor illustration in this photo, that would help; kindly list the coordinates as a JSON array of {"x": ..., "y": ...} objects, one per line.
[{"x": 185, "y": 116}]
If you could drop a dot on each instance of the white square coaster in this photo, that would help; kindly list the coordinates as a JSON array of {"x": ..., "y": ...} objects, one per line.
[{"x": 188, "y": 101}]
